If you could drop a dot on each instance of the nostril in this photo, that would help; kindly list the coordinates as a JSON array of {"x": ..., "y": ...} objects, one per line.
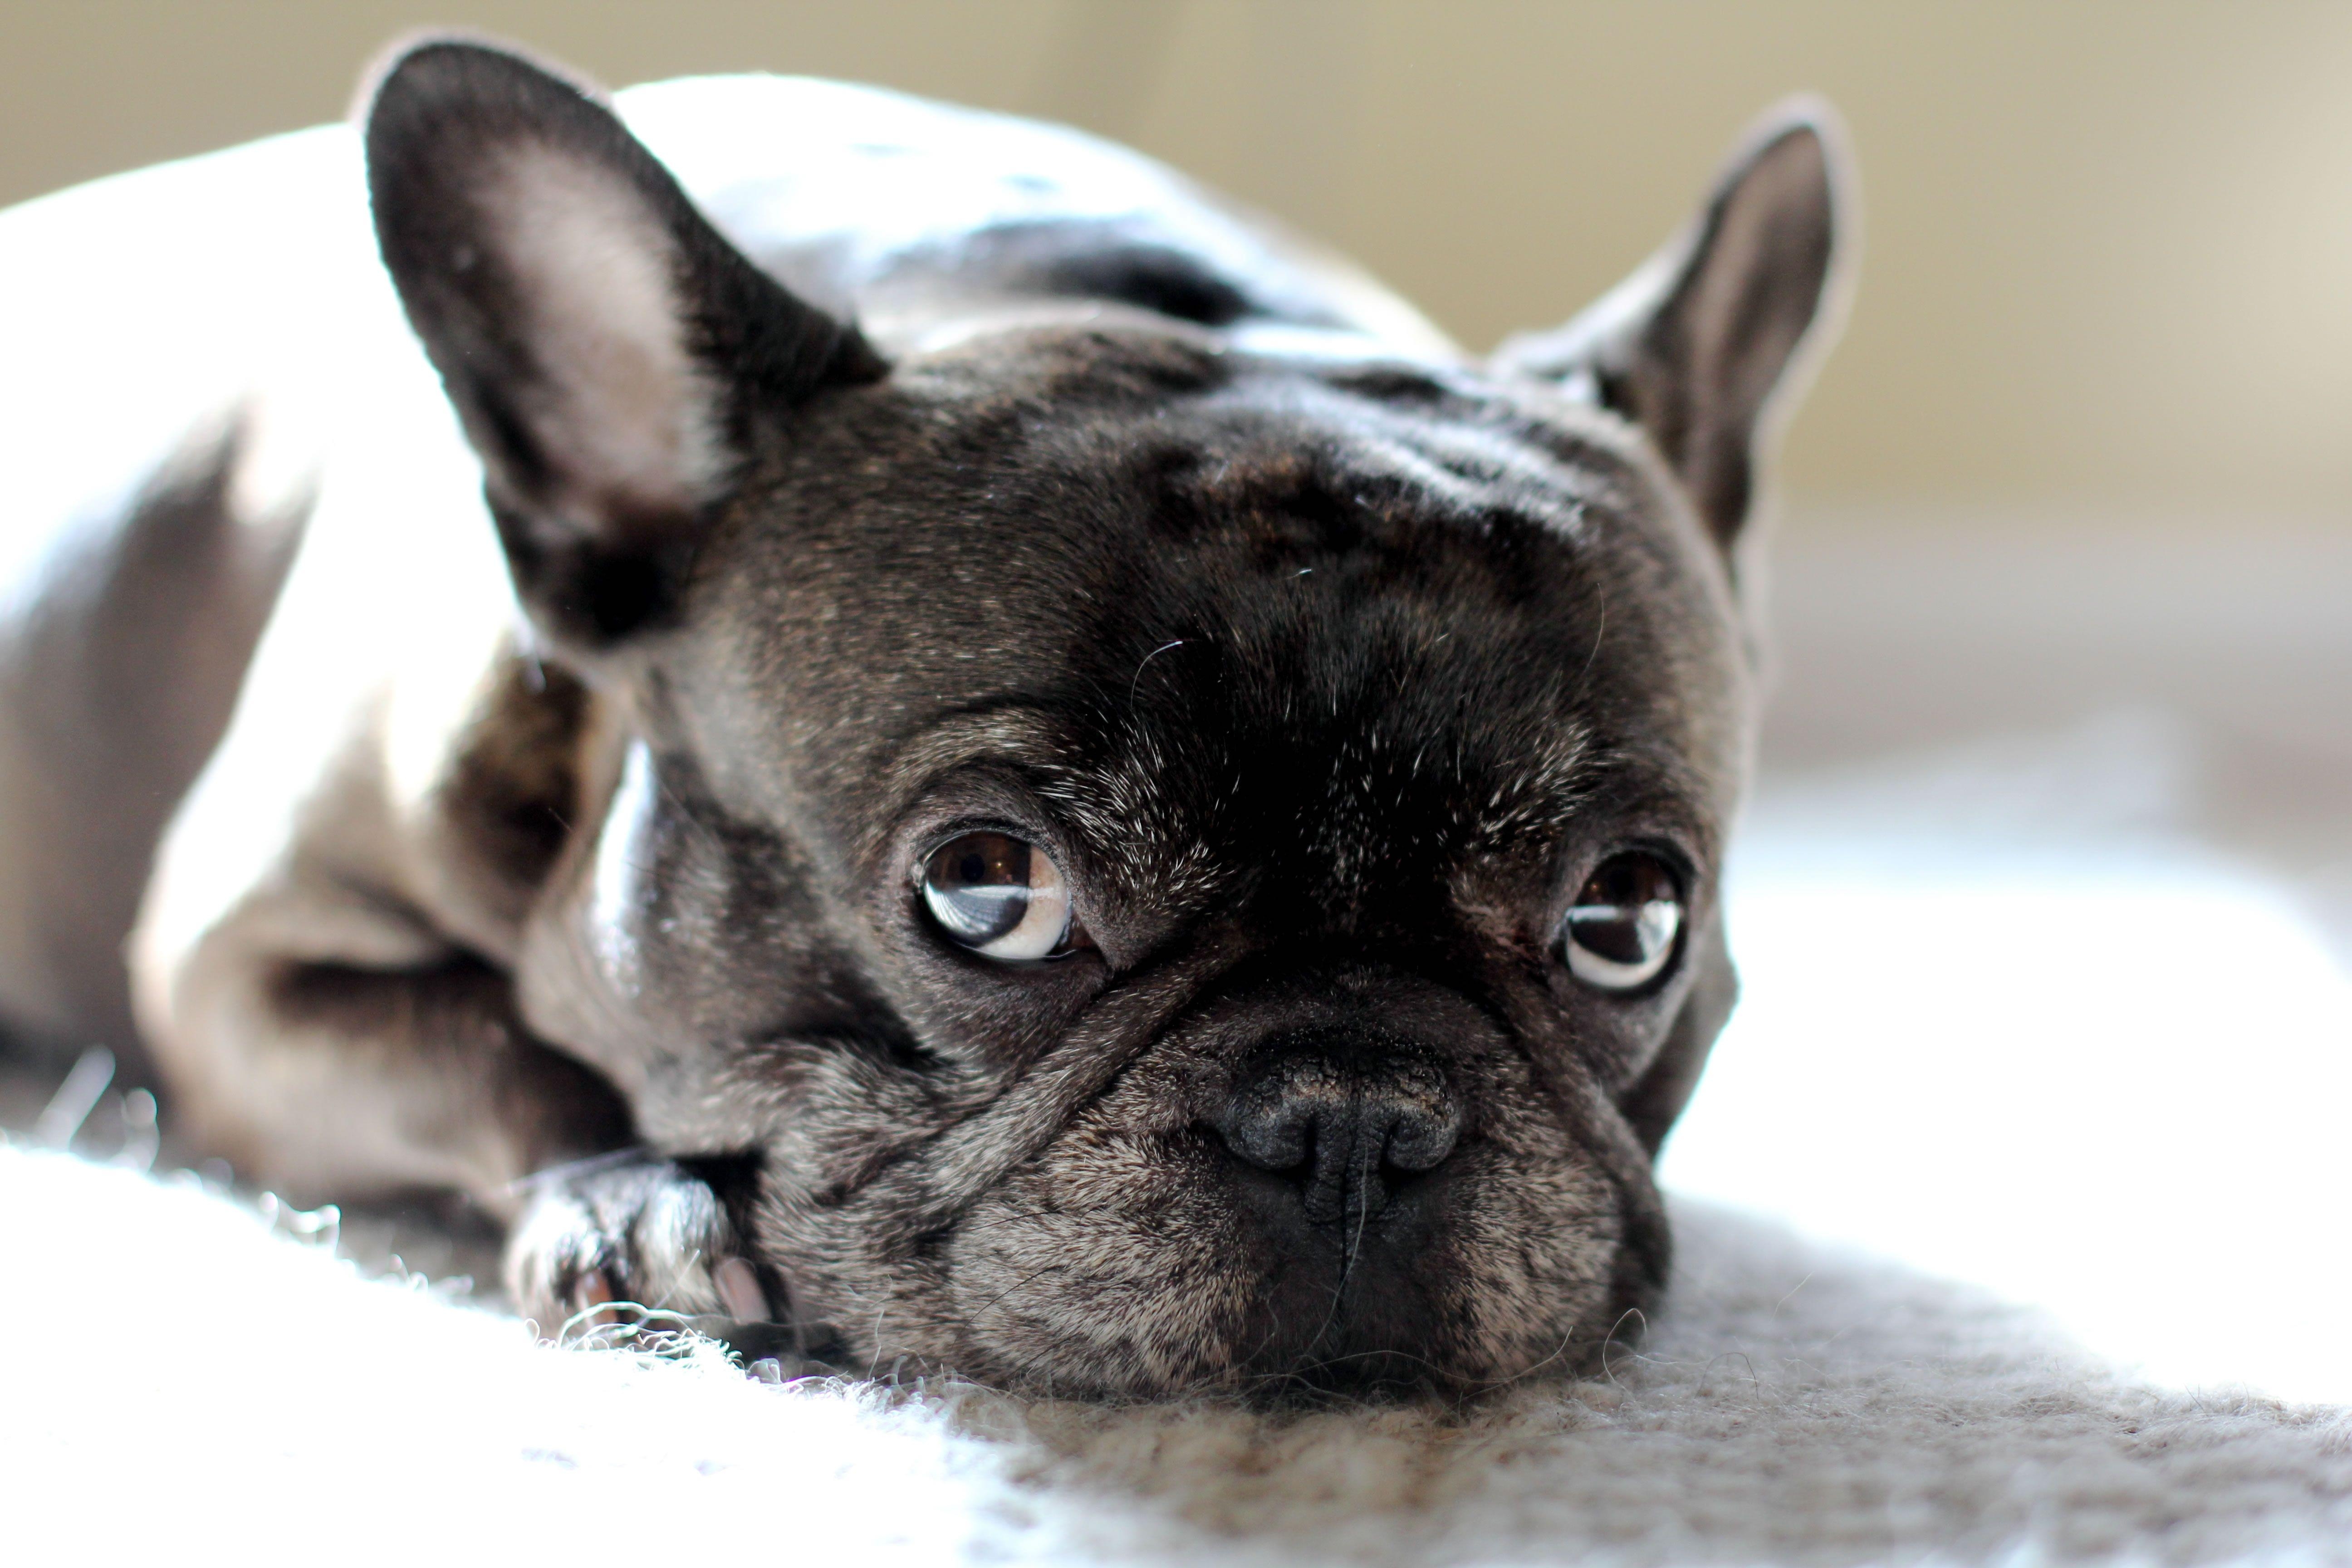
[
  {"x": 1269, "y": 1124},
  {"x": 1420, "y": 1139},
  {"x": 1266, "y": 1137},
  {"x": 1287, "y": 1119}
]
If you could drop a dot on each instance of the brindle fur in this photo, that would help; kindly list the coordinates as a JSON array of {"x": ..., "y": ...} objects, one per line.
[{"x": 1326, "y": 660}]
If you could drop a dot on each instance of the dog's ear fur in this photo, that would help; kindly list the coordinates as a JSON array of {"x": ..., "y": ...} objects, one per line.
[
  {"x": 611, "y": 356},
  {"x": 1708, "y": 341}
]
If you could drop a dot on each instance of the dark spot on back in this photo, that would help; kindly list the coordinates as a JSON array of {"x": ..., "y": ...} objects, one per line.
[
  {"x": 1153, "y": 278},
  {"x": 1391, "y": 384},
  {"x": 1091, "y": 260}
]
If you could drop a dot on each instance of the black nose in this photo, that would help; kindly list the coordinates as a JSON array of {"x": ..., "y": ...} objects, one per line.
[{"x": 1344, "y": 1124}]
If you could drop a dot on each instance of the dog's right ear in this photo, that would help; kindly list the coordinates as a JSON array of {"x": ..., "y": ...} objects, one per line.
[
  {"x": 1705, "y": 345},
  {"x": 612, "y": 357}
]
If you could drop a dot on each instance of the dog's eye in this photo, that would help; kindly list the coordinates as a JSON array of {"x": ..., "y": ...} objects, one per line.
[
  {"x": 1001, "y": 897},
  {"x": 1620, "y": 933}
]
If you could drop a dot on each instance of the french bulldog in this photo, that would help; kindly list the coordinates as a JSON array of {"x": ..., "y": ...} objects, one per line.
[{"x": 892, "y": 722}]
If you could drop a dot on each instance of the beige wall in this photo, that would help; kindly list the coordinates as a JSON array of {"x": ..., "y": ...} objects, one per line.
[{"x": 2110, "y": 266}]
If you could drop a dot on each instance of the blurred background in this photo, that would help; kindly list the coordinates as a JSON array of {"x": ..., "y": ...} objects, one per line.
[
  {"x": 2046, "y": 902},
  {"x": 2105, "y": 325},
  {"x": 2110, "y": 244}
]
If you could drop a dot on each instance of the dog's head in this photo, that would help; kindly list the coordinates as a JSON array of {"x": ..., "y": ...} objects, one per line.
[{"x": 1179, "y": 866}]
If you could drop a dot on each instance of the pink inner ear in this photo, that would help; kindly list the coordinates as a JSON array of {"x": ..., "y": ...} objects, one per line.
[{"x": 623, "y": 412}]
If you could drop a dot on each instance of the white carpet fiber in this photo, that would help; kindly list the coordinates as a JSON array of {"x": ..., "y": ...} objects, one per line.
[
  {"x": 218, "y": 1392},
  {"x": 2111, "y": 1081}
]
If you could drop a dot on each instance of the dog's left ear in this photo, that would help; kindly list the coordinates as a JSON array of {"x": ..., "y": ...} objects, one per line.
[
  {"x": 1705, "y": 344},
  {"x": 612, "y": 357}
]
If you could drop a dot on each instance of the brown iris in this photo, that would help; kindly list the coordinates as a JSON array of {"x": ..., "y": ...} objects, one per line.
[
  {"x": 999, "y": 896},
  {"x": 1620, "y": 934}
]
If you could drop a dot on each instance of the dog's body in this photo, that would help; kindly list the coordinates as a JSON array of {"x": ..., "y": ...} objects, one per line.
[{"x": 607, "y": 848}]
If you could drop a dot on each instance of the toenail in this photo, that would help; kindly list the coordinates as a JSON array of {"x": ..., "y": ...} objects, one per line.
[{"x": 738, "y": 1284}]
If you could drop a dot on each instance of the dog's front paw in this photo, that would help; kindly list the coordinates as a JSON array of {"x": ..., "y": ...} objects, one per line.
[{"x": 623, "y": 1236}]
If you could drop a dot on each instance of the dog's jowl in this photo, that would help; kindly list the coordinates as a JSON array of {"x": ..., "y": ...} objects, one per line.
[{"x": 887, "y": 720}]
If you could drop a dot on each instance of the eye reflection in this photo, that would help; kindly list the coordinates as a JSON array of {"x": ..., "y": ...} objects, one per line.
[
  {"x": 999, "y": 896},
  {"x": 1620, "y": 934}
]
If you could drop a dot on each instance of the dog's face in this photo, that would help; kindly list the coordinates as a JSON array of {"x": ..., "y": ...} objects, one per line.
[
  {"x": 1243, "y": 817},
  {"x": 1177, "y": 866}
]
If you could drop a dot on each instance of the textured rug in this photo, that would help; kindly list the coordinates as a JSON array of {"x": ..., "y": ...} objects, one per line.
[
  {"x": 187, "y": 1382},
  {"x": 2006, "y": 1020}
]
